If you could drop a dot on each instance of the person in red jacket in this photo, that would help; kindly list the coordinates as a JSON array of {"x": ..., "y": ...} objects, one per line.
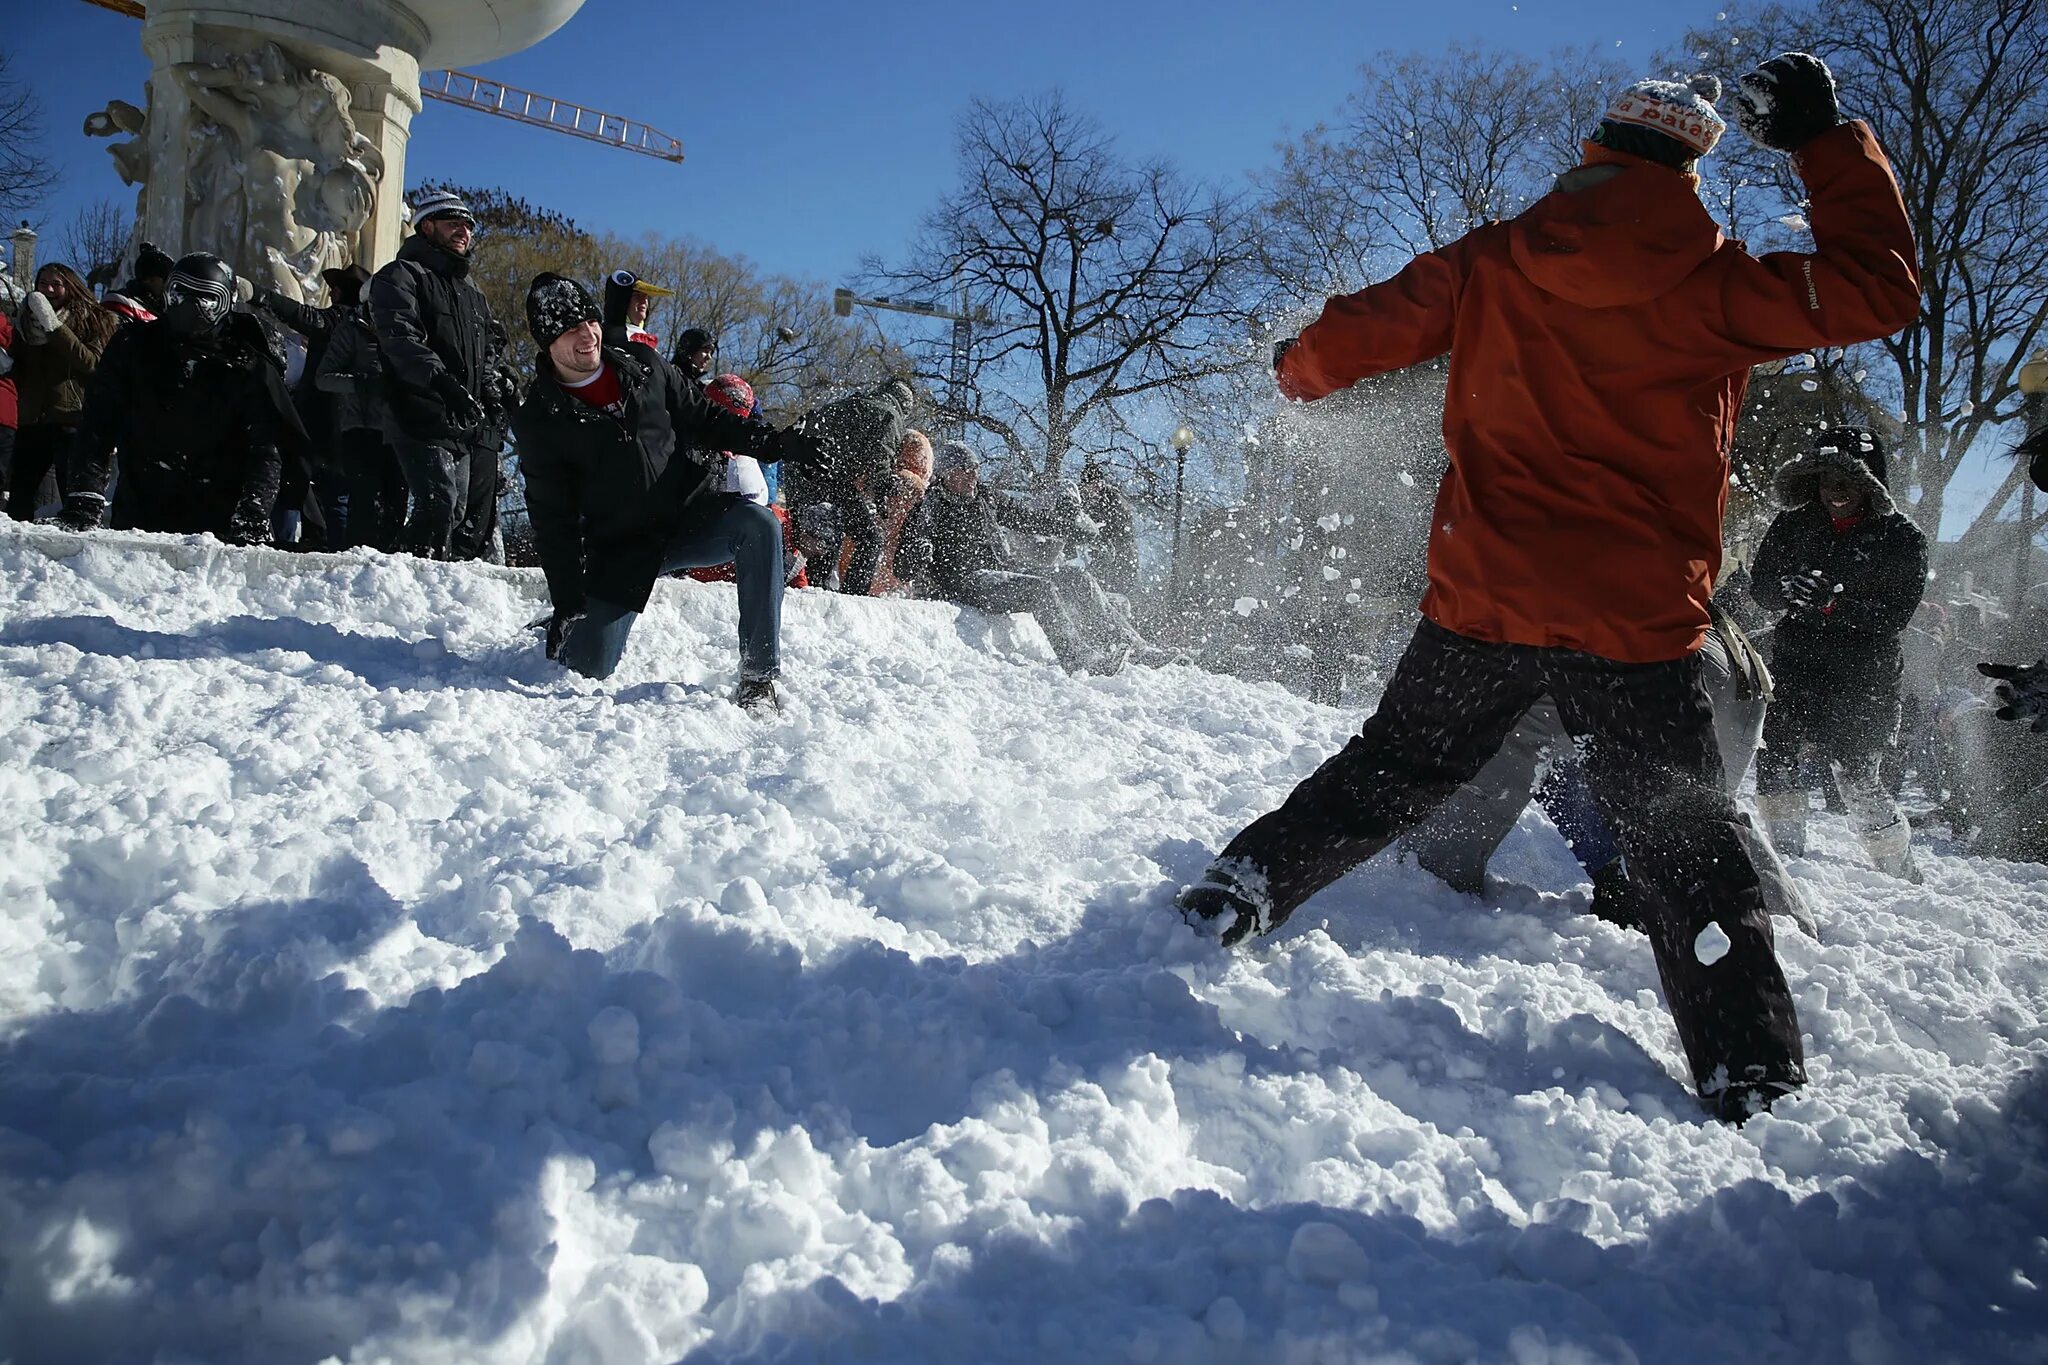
[{"x": 1599, "y": 346}]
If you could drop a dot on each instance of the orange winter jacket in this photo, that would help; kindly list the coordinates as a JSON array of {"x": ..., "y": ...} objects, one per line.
[{"x": 1600, "y": 346}]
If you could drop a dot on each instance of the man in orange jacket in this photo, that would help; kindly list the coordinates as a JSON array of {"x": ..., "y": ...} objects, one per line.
[{"x": 1600, "y": 346}]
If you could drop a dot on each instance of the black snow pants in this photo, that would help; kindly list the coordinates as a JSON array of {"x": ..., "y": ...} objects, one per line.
[
  {"x": 1647, "y": 735},
  {"x": 454, "y": 497}
]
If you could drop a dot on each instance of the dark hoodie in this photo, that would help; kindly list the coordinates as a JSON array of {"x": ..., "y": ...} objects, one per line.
[
  {"x": 1600, "y": 345},
  {"x": 1875, "y": 569}
]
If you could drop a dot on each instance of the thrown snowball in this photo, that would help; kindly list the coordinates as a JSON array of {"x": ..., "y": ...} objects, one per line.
[{"x": 1712, "y": 945}]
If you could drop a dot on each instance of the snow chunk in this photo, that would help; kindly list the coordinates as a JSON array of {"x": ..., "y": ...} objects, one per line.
[
  {"x": 1323, "y": 1253},
  {"x": 1712, "y": 945},
  {"x": 1246, "y": 606},
  {"x": 614, "y": 1036}
]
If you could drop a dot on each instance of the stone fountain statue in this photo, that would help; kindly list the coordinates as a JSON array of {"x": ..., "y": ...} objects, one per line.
[{"x": 273, "y": 132}]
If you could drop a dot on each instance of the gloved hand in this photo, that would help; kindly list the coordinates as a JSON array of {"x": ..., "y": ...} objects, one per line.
[
  {"x": 266, "y": 300},
  {"x": 1787, "y": 102},
  {"x": 39, "y": 319},
  {"x": 82, "y": 512},
  {"x": 798, "y": 447},
  {"x": 1281, "y": 348},
  {"x": 464, "y": 412},
  {"x": 2024, "y": 690},
  {"x": 1808, "y": 590},
  {"x": 559, "y": 626}
]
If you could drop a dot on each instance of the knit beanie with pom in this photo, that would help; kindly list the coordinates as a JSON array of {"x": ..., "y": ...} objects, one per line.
[{"x": 1670, "y": 122}]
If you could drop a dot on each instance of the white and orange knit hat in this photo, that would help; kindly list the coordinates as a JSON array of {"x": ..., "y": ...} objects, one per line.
[{"x": 1681, "y": 110}]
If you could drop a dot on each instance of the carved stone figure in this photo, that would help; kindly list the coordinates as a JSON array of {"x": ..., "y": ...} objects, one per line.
[{"x": 279, "y": 178}]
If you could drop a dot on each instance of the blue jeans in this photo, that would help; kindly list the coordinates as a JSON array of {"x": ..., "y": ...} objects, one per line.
[{"x": 744, "y": 535}]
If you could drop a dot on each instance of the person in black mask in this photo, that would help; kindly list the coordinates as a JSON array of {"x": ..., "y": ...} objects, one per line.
[
  {"x": 444, "y": 380},
  {"x": 196, "y": 407}
]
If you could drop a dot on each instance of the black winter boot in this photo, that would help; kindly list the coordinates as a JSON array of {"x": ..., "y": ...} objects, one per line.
[
  {"x": 1208, "y": 907},
  {"x": 1741, "y": 1101},
  {"x": 757, "y": 696}
]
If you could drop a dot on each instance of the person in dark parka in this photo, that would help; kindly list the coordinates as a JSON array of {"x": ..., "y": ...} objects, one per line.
[
  {"x": 195, "y": 404},
  {"x": 957, "y": 543},
  {"x": 862, "y": 433},
  {"x": 441, "y": 354},
  {"x": 1847, "y": 569},
  {"x": 621, "y": 454},
  {"x": 2023, "y": 688}
]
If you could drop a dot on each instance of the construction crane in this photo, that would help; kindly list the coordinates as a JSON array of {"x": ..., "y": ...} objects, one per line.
[
  {"x": 521, "y": 106},
  {"x": 845, "y": 300}
]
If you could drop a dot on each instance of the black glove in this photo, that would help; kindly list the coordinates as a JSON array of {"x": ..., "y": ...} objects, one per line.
[
  {"x": 799, "y": 447},
  {"x": 2024, "y": 690},
  {"x": 1808, "y": 590},
  {"x": 559, "y": 626},
  {"x": 82, "y": 512},
  {"x": 464, "y": 412},
  {"x": 1280, "y": 350},
  {"x": 1787, "y": 102}
]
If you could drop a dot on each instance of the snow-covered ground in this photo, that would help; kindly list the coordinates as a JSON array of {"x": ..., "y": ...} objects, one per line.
[{"x": 370, "y": 991}]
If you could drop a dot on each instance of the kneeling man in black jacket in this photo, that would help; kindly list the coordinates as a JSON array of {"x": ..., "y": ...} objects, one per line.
[{"x": 624, "y": 480}]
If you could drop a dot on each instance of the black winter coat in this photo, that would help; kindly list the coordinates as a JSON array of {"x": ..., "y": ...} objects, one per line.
[
  {"x": 430, "y": 321},
  {"x": 861, "y": 435},
  {"x": 966, "y": 534},
  {"x": 607, "y": 492},
  {"x": 1880, "y": 565},
  {"x": 349, "y": 374},
  {"x": 202, "y": 427}
]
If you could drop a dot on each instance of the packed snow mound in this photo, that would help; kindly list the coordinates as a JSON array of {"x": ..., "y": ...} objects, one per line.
[{"x": 370, "y": 990}]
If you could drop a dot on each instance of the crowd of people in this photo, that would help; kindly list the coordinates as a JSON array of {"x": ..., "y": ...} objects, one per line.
[
  {"x": 1578, "y": 642},
  {"x": 188, "y": 402}
]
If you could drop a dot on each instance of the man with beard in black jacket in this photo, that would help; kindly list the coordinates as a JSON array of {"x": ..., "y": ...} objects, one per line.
[
  {"x": 444, "y": 379},
  {"x": 1847, "y": 569},
  {"x": 196, "y": 405},
  {"x": 624, "y": 482}
]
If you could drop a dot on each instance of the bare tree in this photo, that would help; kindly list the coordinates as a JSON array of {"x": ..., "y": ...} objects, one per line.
[
  {"x": 25, "y": 174},
  {"x": 95, "y": 240},
  {"x": 777, "y": 333},
  {"x": 1104, "y": 280},
  {"x": 1953, "y": 89},
  {"x": 1428, "y": 147}
]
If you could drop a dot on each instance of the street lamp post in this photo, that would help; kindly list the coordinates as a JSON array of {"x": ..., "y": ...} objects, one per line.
[
  {"x": 2033, "y": 381},
  {"x": 1183, "y": 440}
]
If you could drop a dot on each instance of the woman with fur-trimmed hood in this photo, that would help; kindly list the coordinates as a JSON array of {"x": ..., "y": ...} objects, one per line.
[{"x": 1847, "y": 568}]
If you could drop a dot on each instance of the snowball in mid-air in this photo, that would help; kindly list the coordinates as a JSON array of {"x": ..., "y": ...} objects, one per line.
[{"x": 1712, "y": 945}]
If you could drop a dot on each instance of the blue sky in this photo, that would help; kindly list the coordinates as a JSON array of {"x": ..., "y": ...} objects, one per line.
[
  {"x": 819, "y": 131},
  {"x": 816, "y": 132}
]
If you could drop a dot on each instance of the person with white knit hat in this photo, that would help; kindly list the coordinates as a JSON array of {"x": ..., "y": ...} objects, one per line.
[
  {"x": 443, "y": 358},
  {"x": 1600, "y": 346}
]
